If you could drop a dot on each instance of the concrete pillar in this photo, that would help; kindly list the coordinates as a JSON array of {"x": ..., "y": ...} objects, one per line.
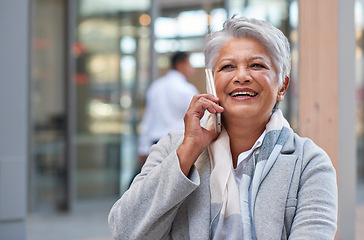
[{"x": 14, "y": 48}]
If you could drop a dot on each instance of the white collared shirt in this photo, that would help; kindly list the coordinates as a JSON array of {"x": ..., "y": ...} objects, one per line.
[
  {"x": 167, "y": 101},
  {"x": 243, "y": 158}
]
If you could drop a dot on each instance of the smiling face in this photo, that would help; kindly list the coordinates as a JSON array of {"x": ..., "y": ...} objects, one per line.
[{"x": 246, "y": 80}]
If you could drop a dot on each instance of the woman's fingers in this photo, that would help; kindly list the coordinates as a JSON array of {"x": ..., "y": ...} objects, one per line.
[
  {"x": 203, "y": 102},
  {"x": 196, "y": 137},
  {"x": 199, "y": 104}
]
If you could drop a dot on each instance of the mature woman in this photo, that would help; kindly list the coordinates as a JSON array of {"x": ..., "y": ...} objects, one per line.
[{"x": 257, "y": 179}]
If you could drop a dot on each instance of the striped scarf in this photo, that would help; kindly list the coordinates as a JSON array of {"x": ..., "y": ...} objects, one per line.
[{"x": 232, "y": 208}]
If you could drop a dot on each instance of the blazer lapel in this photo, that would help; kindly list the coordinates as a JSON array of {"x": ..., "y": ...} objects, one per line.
[
  {"x": 198, "y": 204},
  {"x": 288, "y": 148},
  {"x": 274, "y": 188}
]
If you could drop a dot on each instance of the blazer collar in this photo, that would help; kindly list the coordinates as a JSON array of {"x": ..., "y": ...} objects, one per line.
[
  {"x": 289, "y": 146},
  {"x": 286, "y": 154}
]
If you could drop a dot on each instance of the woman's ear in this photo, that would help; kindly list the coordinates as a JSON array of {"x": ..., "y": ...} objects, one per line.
[{"x": 283, "y": 89}]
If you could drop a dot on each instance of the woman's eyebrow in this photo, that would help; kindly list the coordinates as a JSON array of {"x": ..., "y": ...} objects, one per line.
[
  {"x": 260, "y": 57},
  {"x": 264, "y": 59},
  {"x": 227, "y": 60}
]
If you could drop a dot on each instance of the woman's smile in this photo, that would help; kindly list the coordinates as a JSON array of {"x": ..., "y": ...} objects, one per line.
[{"x": 243, "y": 94}]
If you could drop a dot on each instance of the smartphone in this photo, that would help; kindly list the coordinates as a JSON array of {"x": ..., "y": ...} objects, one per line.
[{"x": 210, "y": 88}]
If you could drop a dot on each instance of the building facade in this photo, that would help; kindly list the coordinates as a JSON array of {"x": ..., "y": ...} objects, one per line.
[{"x": 79, "y": 71}]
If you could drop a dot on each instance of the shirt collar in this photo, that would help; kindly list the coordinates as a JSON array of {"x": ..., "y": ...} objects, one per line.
[{"x": 244, "y": 155}]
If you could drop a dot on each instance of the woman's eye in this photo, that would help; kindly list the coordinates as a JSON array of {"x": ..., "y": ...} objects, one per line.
[
  {"x": 226, "y": 67},
  {"x": 257, "y": 65}
]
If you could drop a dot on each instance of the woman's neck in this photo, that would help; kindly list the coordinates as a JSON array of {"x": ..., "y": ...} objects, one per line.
[{"x": 243, "y": 135}]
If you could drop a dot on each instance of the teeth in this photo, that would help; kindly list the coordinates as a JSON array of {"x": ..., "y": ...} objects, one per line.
[{"x": 243, "y": 94}]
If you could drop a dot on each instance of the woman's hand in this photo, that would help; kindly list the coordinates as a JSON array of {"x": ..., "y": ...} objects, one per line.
[{"x": 196, "y": 137}]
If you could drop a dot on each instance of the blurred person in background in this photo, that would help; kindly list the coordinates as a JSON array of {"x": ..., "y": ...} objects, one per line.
[
  {"x": 167, "y": 101},
  {"x": 257, "y": 179}
]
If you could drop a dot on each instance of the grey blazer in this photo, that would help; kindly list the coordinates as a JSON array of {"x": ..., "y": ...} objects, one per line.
[{"x": 297, "y": 198}]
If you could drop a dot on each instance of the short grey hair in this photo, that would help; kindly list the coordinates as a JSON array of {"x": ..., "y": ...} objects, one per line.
[{"x": 269, "y": 36}]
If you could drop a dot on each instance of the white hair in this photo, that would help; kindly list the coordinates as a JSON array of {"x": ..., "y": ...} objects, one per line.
[{"x": 269, "y": 36}]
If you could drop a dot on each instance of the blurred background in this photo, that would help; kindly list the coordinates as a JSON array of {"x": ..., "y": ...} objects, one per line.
[{"x": 90, "y": 63}]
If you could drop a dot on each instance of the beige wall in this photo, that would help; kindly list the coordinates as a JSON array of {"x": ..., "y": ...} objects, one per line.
[
  {"x": 319, "y": 74},
  {"x": 327, "y": 93}
]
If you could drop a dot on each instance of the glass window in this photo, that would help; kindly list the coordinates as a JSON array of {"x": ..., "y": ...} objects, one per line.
[
  {"x": 47, "y": 168},
  {"x": 359, "y": 30},
  {"x": 111, "y": 65},
  {"x": 183, "y": 28}
]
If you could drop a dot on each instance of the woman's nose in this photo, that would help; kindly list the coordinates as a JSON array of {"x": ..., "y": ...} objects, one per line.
[{"x": 242, "y": 76}]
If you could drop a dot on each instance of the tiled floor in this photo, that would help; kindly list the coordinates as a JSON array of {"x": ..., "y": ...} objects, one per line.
[{"x": 89, "y": 222}]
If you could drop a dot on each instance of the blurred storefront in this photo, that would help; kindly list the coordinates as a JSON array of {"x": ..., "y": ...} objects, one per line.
[{"x": 91, "y": 62}]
